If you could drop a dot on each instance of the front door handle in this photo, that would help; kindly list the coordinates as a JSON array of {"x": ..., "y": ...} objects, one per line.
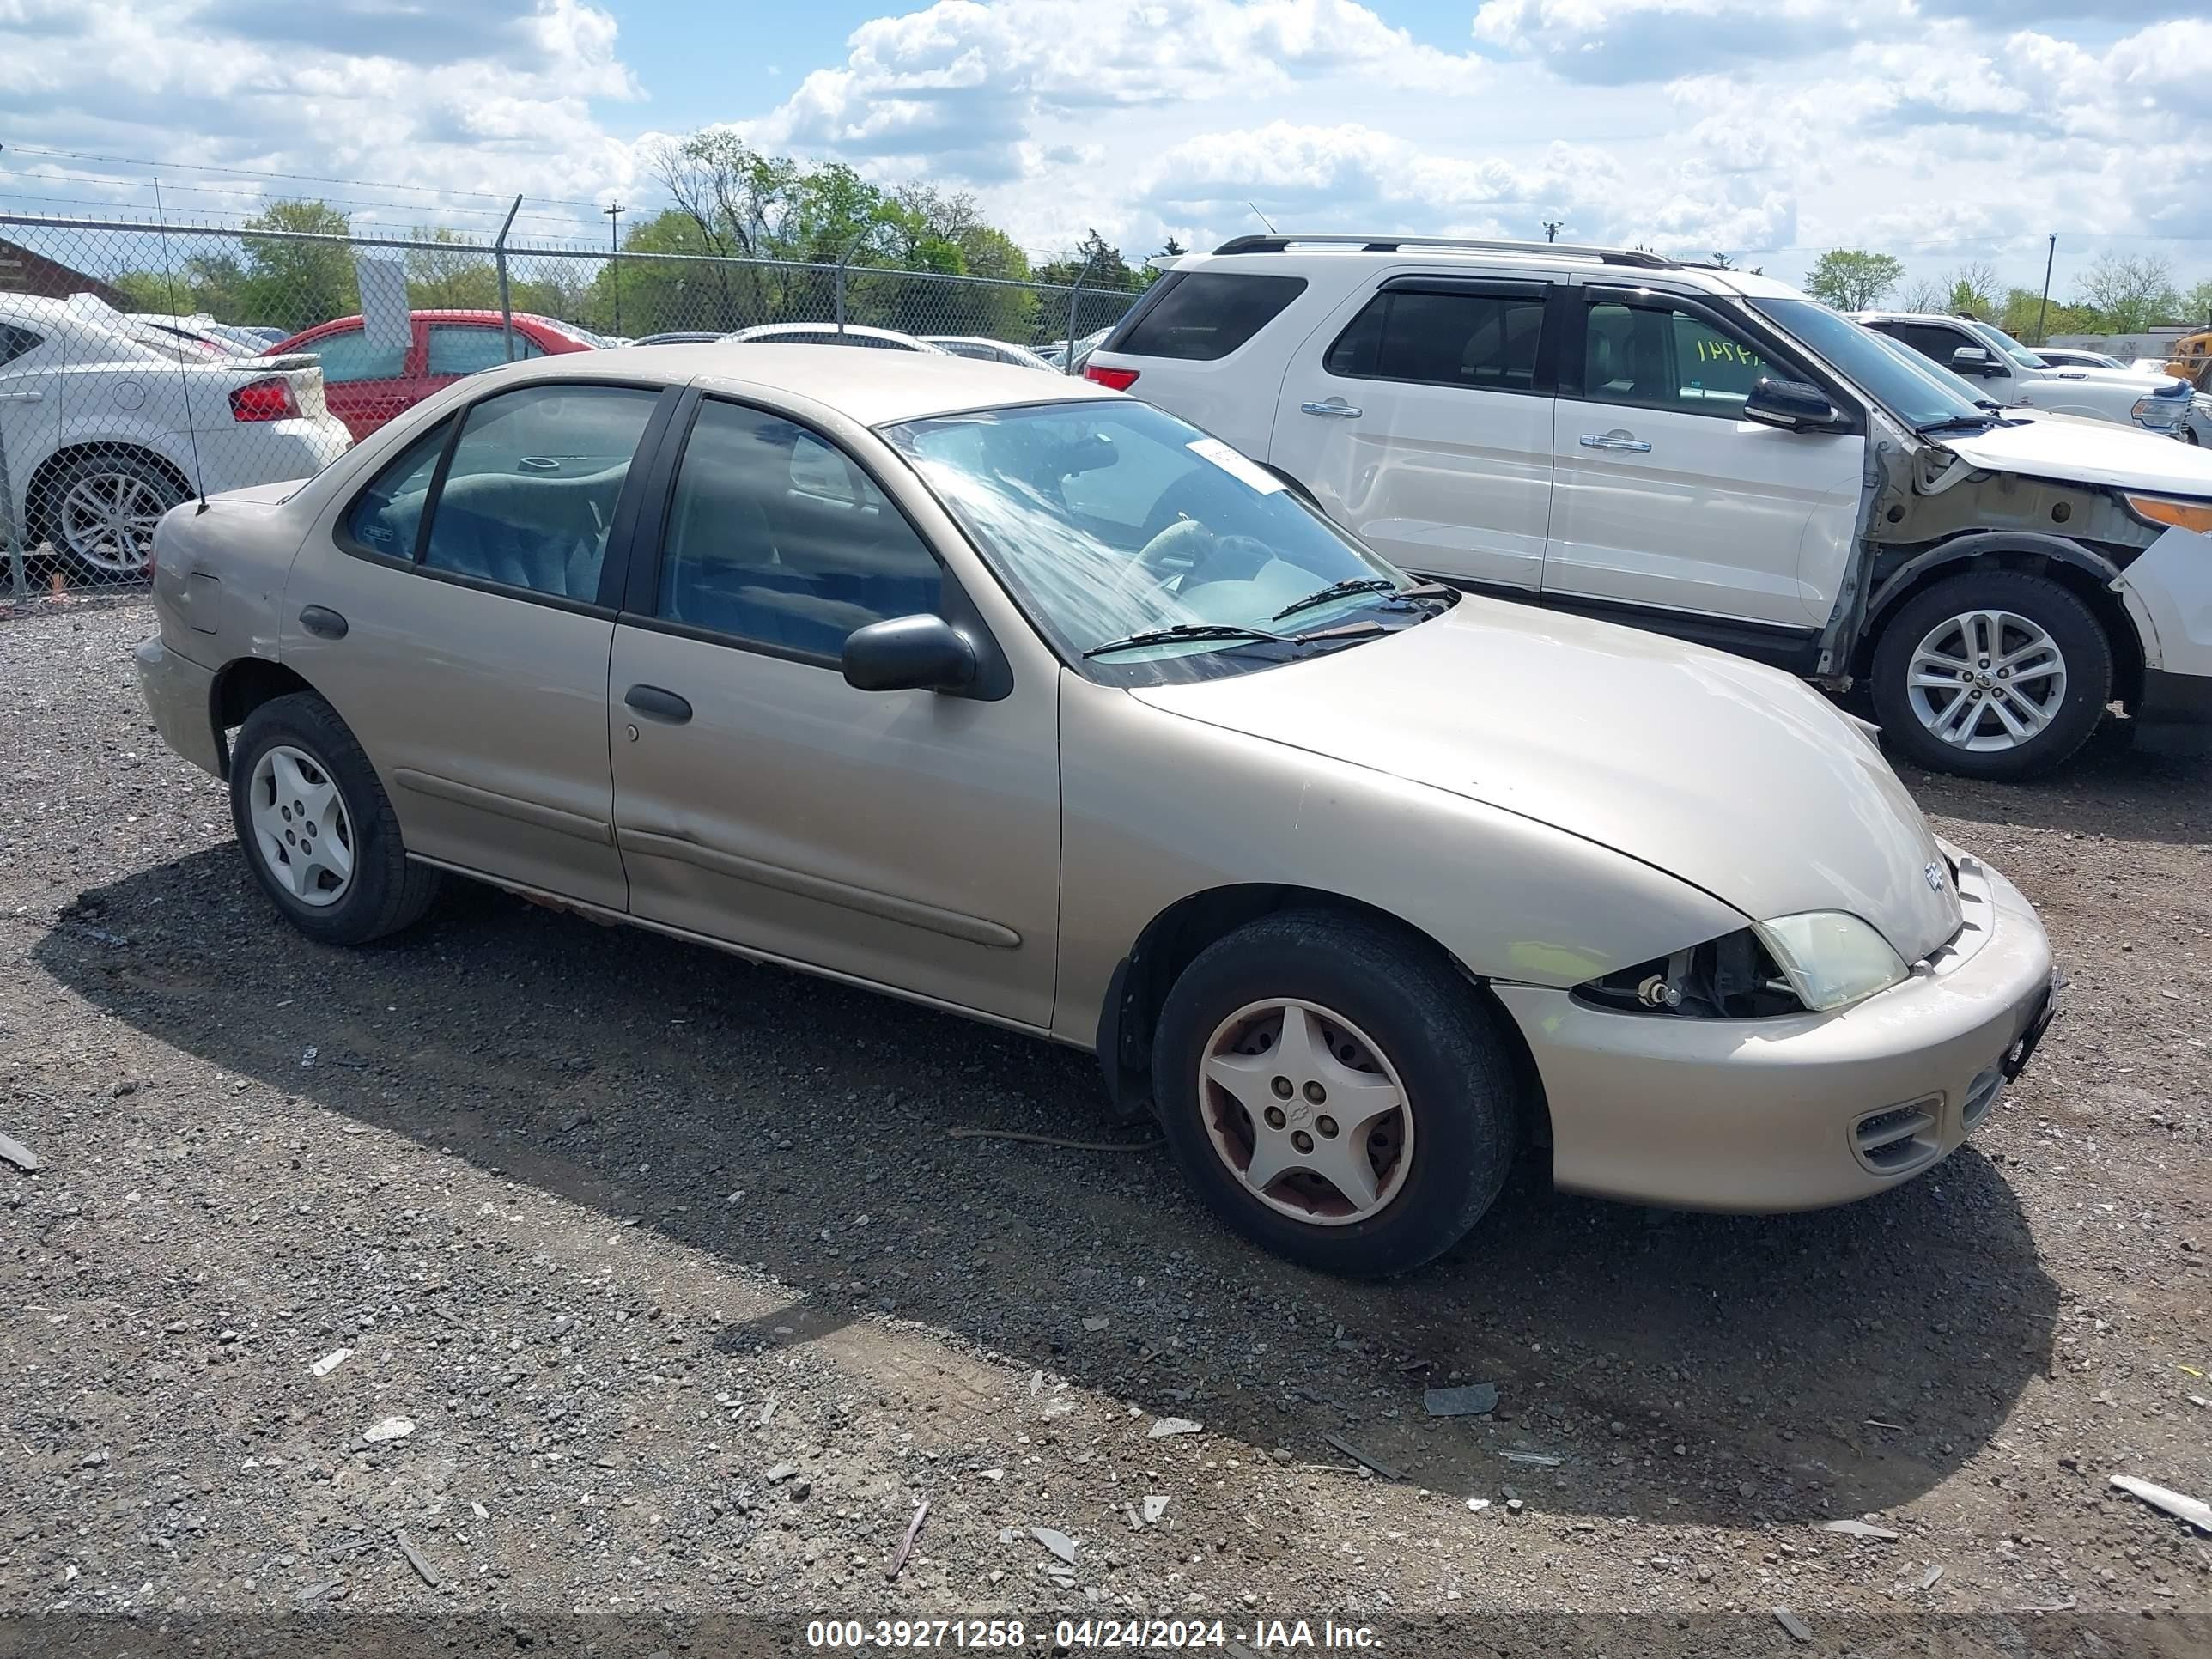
[
  {"x": 1335, "y": 407},
  {"x": 22, "y": 397},
  {"x": 656, "y": 704},
  {"x": 323, "y": 623},
  {"x": 1615, "y": 440}
]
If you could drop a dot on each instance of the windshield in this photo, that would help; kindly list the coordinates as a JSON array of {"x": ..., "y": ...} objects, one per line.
[
  {"x": 2006, "y": 347},
  {"x": 1113, "y": 520},
  {"x": 1894, "y": 379}
]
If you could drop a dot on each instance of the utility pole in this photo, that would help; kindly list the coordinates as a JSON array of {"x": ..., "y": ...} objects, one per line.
[
  {"x": 2043, "y": 311},
  {"x": 614, "y": 212},
  {"x": 1551, "y": 228}
]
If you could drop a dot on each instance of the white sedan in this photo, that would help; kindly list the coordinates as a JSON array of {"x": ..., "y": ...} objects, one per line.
[{"x": 106, "y": 425}]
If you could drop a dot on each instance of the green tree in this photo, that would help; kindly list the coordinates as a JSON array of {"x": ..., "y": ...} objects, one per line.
[
  {"x": 2023, "y": 313},
  {"x": 2129, "y": 294},
  {"x": 2197, "y": 305},
  {"x": 290, "y": 284},
  {"x": 1974, "y": 290},
  {"x": 446, "y": 271},
  {"x": 1852, "y": 279}
]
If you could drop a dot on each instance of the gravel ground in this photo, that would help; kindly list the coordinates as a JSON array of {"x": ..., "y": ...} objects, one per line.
[{"x": 673, "y": 1293}]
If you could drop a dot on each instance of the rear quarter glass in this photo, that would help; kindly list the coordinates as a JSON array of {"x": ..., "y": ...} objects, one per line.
[{"x": 1201, "y": 315}]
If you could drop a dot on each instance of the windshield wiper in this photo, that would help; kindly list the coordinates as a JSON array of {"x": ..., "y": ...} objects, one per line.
[
  {"x": 1337, "y": 591},
  {"x": 1956, "y": 424},
  {"x": 1191, "y": 631}
]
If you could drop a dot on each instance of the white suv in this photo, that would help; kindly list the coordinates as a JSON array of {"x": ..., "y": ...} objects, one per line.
[
  {"x": 1711, "y": 454},
  {"x": 2009, "y": 372}
]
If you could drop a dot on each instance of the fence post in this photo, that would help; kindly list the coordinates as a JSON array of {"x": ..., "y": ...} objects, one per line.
[
  {"x": 1075, "y": 298},
  {"x": 14, "y": 525},
  {"x": 837, "y": 283},
  {"x": 499, "y": 253}
]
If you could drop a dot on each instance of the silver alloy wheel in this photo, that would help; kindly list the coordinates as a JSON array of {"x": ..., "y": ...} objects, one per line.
[
  {"x": 107, "y": 520},
  {"x": 1306, "y": 1111},
  {"x": 301, "y": 826},
  {"x": 1986, "y": 681}
]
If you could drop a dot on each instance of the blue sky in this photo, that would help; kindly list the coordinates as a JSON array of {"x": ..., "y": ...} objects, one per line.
[{"x": 1949, "y": 132}]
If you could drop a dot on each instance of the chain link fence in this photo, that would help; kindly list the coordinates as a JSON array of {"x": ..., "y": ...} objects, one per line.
[{"x": 140, "y": 364}]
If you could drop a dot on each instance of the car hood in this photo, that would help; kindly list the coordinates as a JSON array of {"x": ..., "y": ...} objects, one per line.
[
  {"x": 2087, "y": 452},
  {"x": 1734, "y": 777}
]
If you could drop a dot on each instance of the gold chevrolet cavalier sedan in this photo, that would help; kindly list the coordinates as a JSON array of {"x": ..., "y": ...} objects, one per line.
[{"x": 1027, "y": 701}]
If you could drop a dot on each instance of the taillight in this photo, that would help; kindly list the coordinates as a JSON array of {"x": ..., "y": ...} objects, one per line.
[
  {"x": 264, "y": 400},
  {"x": 1114, "y": 380}
]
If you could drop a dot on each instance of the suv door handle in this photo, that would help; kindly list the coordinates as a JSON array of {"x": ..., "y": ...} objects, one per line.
[
  {"x": 22, "y": 397},
  {"x": 1333, "y": 406},
  {"x": 656, "y": 704},
  {"x": 323, "y": 623},
  {"x": 1615, "y": 441}
]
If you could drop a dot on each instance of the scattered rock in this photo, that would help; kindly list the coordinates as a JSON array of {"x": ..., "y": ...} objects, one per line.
[
  {"x": 1478, "y": 1504},
  {"x": 1155, "y": 1506},
  {"x": 1471, "y": 1399},
  {"x": 1790, "y": 1622},
  {"x": 391, "y": 1428},
  {"x": 1167, "y": 1425},
  {"x": 780, "y": 1473},
  {"x": 330, "y": 1362},
  {"x": 1058, "y": 1542},
  {"x": 1097, "y": 1323},
  {"x": 415, "y": 1559},
  {"x": 1856, "y": 1529},
  {"x": 15, "y": 1152}
]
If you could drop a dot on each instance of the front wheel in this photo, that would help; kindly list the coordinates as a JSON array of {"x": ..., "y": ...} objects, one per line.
[
  {"x": 1992, "y": 674},
  {"x": 1335, "y": 1093}
]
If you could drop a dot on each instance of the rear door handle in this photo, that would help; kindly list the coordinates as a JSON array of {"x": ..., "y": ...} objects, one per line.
[
  {"x": 656, "y": 704},
  {"x": 22, "y": 397},
  {"x": 323, "y": 623},
  {"x": 1615, "y": 441},
  {"x": 1332, "y": 406}
]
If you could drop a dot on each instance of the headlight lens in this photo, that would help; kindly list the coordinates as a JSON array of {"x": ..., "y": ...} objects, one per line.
[{"x": 1832, "y": 959}]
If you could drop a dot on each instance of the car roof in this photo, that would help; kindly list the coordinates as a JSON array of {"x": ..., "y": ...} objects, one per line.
[
  {"x": 1619, "y": 264},
  {"x": 771, "y": 331},
  {"x": 875, "y": 388}
]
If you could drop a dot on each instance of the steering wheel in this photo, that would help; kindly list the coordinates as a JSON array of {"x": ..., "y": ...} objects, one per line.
[{"x": 1183, "y": 547}]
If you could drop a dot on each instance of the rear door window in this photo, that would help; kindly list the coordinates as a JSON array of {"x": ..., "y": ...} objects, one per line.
[
  {"x": 1486, "y": 342},
  {"x": 348, "y": 356},
  {"x": 529, "y": 497},
  {"x": 468, "y": 348},
  {"x": 1201, "y": 315},
  {"x": 15, "y": 342}
]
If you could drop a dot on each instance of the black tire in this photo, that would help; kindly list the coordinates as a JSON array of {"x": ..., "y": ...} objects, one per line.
[
  {"x": 2073, "y": 628},
  {"x": 102, "y": 468},
  {"x": 387, "y": 892},
  {"x": 1438, "y": 1036}
]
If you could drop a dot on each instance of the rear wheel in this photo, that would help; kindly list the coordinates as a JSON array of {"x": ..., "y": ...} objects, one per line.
[
  {"x": 101, "y": 510},
  {"x": 1992, "y": 674},
  {"x": 1335, "y": 1093},
  {"x": 317, "y": 829}
]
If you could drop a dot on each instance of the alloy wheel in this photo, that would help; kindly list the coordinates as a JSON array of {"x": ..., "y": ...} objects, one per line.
[
  {"x": 301, "y": 826},
  {"x": 107, "y": 521},
  {"x": 1306, "y": 1111},
  {"x": 1986, "y": 681}
]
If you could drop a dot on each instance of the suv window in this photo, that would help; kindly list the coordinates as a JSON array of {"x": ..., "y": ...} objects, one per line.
[
  {"x": 1201, "y": 315},
  {"x": 1934, "y": 342},
  {"x": 1650, "y": 354},
  {"x": 348, "y": 357},
  {"x": 760, "y": 549},
  {"x": 530, "y": 494},
  {"x": 470, "y": 348},
  {"x": 14, "y": 342},
  {"x": 1486, "y": 340}
]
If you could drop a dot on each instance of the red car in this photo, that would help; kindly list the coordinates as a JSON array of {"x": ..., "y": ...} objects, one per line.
[{"x": 366, "y": 385}]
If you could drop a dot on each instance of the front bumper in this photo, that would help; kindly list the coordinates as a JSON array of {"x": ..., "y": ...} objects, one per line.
[
  {"x": 1802, "y": 1112},
  {"x": 178, "y": 695}
]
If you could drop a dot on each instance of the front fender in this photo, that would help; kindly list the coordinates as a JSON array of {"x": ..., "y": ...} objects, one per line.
[{"x": 1156, "y": 807}]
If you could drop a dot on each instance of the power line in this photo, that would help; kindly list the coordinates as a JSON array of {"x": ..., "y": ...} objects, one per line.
[
  {"x": 297, "y": 177},
  {"x": 255, "y": 194}
]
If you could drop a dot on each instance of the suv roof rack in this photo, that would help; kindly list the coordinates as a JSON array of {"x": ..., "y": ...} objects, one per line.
[{"x": 1611, "y": 255}]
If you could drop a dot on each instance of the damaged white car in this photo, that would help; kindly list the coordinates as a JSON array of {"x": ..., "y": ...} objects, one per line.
[{"x": 1711, "y": 454}]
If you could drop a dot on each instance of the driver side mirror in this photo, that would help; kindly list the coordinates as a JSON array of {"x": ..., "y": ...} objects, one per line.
[
  {"x": 1791, "y": 405},
  {"x": 909, "y": 654},
  {"x": 1975, "y": 361}
]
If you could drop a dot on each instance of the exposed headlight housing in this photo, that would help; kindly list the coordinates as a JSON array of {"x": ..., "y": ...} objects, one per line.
[
  {"x": 1811, "y": 963},
  {"x": 1831, "y": 957},
  {"x": 2160, "y": 411}
]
